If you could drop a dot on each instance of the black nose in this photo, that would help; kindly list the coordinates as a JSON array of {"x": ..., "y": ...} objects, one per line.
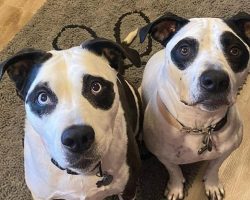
[
  {"x": 214, "y": 81},
  {"x": 78, "y": 138}
]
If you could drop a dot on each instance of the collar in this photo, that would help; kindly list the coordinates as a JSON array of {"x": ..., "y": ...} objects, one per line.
[
  {"x": 177, "y": 124},
  {"x": 207, "y": 141},
  {"x": 106, "y": 178},
  {"x": 61, "y": 168}
]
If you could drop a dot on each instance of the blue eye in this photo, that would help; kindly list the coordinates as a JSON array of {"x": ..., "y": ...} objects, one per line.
[{"x": 43, "y": 99}]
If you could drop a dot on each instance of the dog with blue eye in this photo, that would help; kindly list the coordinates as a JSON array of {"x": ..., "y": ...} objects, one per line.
[
  {"x": 82, "y": 117},
  {"x": 189, "y": 90}
]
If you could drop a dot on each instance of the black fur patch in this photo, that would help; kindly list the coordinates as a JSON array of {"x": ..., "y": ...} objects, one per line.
[
  {"x": 237, "y": 24},
  {"x": 23, "y": 67},
  {"x": 114, "y": 52},
  {"x": 229, "y": 41},
  {"x": 32, "y": 100},
  {"x": 103, "y": 100},
  {"x": 133, "y": 158},
  {"x": 183, "y": 61},
  {"x": 29, "y": 79},
  {"x": 163, "y": 28},
  {"x": 131, "y": 103}
]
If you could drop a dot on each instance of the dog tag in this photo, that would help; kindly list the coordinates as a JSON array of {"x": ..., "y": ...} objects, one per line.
[
  {"x": 205, "y": 139},
  {"x": 106, "y": 180},
  {"x": 208, "y": 143},
  {"x": 202, "y": 149}
]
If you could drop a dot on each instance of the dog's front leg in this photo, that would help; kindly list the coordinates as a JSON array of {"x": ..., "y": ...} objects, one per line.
[
  {"x": 174, "y": 188},
  {"x": 214, "y": 189}
]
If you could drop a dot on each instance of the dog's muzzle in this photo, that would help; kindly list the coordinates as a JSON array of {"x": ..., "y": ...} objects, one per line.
[
  {"x": 79, "y": 147},
  {"x": 215, "y": 86},
  {"x": 214, "y": 81},
  {"x": 78, "y": 138}
]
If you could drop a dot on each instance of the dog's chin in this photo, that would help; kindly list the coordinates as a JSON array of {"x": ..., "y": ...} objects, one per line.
[
  {"x": 82, "y": 164},
  {"x": 212, "y": 106}
]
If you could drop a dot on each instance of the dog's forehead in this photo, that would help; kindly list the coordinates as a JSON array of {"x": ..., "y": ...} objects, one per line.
[
  {"x": 71, "y": 65},
  {"x": 78, "y": 59},
  {"x": 200, "y": 28},
  {"x": 207, "y": 31}
]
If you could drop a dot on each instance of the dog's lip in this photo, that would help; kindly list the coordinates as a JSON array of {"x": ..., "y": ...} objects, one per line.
[
  {"x": 215, "y": 102},
  {"x": 80, "y": 162},
  {"x": 208, "y": 102}
]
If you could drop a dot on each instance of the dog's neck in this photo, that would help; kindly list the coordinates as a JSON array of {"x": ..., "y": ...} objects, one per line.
[
  {"x": 111, "y": 162},
  {"x": 189, "y": 116}
]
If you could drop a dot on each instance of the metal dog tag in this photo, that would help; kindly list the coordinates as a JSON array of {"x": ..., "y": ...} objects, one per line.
[
  {"x": 208, "y": 143},
  {"x": 106, "y": 180}
]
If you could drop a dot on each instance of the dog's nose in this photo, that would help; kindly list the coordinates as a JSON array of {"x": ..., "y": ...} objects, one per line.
[
  {"x": 214, "y": 81},
  {"x": 78, "y": 138}
]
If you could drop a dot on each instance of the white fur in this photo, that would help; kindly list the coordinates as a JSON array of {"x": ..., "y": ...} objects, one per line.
[
  {"x": 163, "y": 79},
  {"x": 64, "y": 72}
]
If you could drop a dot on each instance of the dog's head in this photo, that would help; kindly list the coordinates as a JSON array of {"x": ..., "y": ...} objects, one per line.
[
  {"x": 206, "y": 59},
  {"x": 71, "y": 98}
]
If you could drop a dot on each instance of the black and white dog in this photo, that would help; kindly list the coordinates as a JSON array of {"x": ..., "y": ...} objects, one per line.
[
  {"x": 81, "y": 121},
  {"x": 189, "y": 91}
]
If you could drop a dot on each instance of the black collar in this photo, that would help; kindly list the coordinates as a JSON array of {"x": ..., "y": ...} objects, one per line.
[
  {"x": 106, "y": 178},
  {"x": 67, "y": 170}
]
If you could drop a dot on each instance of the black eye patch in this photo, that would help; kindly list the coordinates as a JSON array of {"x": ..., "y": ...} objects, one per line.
[
  {"x": 184, "y": 52},
  {"x": 98, "y": 91},
  {"x": 235, "y": 51},
  {"x": 39, "y": 96}
]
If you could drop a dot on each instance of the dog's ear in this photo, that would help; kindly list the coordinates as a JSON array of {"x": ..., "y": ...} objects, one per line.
[
  {"x": 114, "y": 52},
  {"x": 163, "y": 28},
  {"x": 240, "y": 24},
  {"x": 21, "y": 65}
]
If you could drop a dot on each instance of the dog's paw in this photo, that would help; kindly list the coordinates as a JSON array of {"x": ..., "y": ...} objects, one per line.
[
  {"x": 174, "y": 191},
  {"x": 214, "y": 191}
]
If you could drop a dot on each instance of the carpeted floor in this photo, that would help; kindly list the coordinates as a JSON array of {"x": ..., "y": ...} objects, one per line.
[{"x": 65, "y": 23}]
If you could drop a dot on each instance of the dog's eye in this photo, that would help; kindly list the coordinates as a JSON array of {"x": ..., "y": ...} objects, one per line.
[
  {"x": 96, "y": 87},
  {"x": 235, "y": 51},
  {"x": 43, "y": 99},
  {"x": 184, "y": 50}
]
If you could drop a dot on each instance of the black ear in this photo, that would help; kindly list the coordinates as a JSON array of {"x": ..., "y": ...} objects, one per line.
[
  {"x": 114, "y": 52},
  {"x": 163, "y": 28},
  {"x": 21, "y": 66},
  {"x": 240, "y": 24}
]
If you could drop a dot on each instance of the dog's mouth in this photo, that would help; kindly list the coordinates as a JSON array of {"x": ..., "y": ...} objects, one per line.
[
  {"x": 82, "y": 166},
  {"x": 79, "y": 163},
  {"x": 209, "y": 103}
]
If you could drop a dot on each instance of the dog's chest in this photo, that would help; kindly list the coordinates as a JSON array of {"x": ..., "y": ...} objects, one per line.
[
  {"x": 84, "y": 188},
  {"x": 77, "y": 188}
]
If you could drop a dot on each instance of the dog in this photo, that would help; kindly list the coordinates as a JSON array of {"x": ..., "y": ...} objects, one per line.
[
  {"x": 189, "y": 90},
  {"x": 82, "y": 117}
]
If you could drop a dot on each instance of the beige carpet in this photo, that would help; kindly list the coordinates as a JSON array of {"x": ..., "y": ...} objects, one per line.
[{"x": 65, "y": 23}]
